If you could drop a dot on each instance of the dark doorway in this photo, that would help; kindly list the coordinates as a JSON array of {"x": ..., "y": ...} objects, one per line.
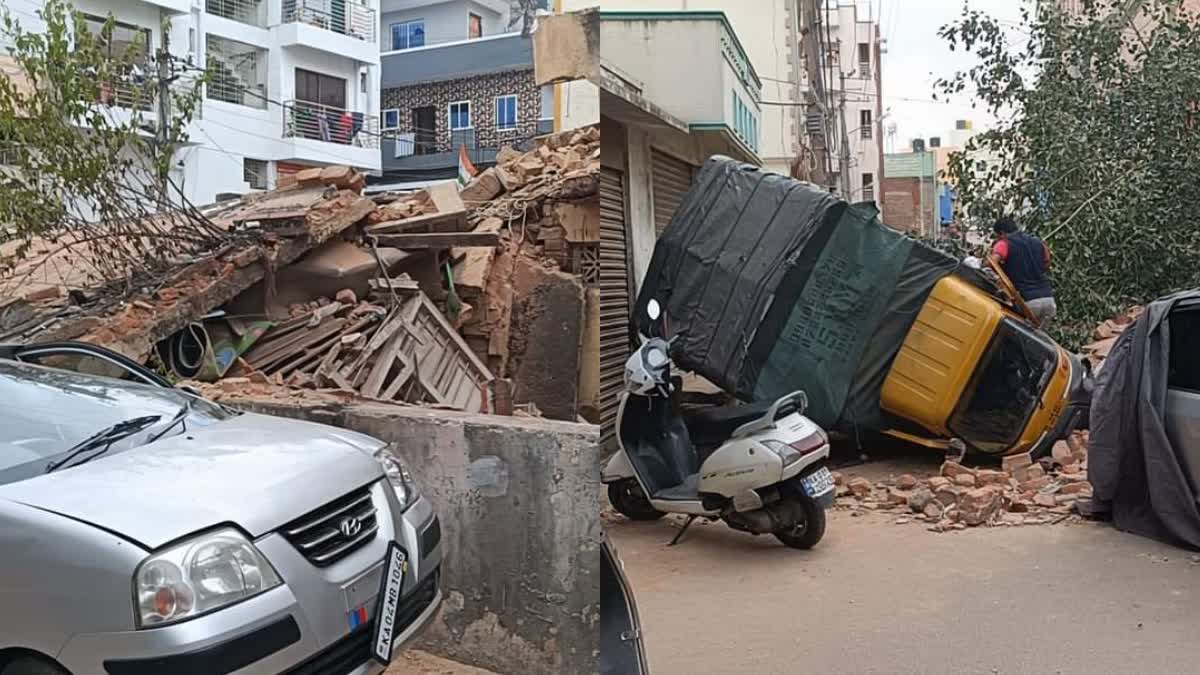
[{"x": 425, "y": 129}]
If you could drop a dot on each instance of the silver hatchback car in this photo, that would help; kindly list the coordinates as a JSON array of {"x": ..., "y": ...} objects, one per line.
[{"x": 144, "y": 529}]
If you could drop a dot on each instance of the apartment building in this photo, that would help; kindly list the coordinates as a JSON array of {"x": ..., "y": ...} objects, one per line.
[
  {"x": 852, "y": 73},
  {"x": 292, "y": 83},
  {"x": 455, "y": 75}
]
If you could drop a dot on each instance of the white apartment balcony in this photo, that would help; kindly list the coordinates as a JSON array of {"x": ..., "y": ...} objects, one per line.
[
  {"x": 173, "y": 6},
  {"x": 320, "y": 134},
  {"x": 341, "y": 27}
]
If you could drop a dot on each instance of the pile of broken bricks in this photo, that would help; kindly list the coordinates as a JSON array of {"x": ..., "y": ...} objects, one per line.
[
  {"x": 430, "y": 296},
  {"x": 1106, "y": 334},
  {"x": 1021, "y": 492}
]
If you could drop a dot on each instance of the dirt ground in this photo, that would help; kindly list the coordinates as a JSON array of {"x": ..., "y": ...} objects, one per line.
[
  {"x": 414, "y": 662},
  {"x": 880, "y": 597}
]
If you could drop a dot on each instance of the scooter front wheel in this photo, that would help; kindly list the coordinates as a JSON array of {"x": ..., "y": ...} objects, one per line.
[
  {"x": 808, "y": 525},
  {"x": 630, "y": 500}
]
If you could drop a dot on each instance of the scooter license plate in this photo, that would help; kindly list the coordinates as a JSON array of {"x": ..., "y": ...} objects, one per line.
[{"x": 818, "y": 482}]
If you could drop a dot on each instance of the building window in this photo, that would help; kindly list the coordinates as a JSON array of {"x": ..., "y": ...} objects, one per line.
[
  {"x": 834, "y": 52},
  {"x": 408, "y": 34},
  {"x": 129, "y": 90},
  {"x": 460, "y": 115},
  {"x": 321, "y": 89},
  {"x": 864, "y": 59},
  {"x": 506, "y": 112},
  {"x": 391, "y": 119},
  {"x": 546, "y": 115},
  {"x": 474, "y": 26},
  {"x": 254, "y": 172},
  {"x": 252, "y": 13},
  {"x": 868, "y": 187},
  {"x": 362, "y": 82},
  {"x": 237, "y": 72},
  {"x": 864, "y": 122}
]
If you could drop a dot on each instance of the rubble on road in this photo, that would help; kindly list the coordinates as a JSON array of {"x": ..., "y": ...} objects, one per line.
[
  {"x": 470, "y": 299},
  {"x": 1021, "y": 492}
]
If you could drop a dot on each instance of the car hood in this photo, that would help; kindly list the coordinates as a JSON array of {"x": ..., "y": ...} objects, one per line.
[{"x": 254, "y": 471}]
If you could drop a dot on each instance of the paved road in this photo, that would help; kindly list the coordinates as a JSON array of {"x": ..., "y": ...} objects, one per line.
[{"x": 877, "y": 597}]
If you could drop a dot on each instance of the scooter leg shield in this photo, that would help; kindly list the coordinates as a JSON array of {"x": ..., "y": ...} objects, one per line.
[{"x": 616, "y": 468}]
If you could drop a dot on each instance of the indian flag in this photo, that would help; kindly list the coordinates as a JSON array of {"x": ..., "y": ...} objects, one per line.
[{"x": 466, "y": 170}]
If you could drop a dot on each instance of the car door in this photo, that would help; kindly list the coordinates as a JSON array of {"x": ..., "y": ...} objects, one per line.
[
  {"x": 622, "y": 651},
  {"x": 1183, "y": 388},
  {"x": 82, "y": 357}
]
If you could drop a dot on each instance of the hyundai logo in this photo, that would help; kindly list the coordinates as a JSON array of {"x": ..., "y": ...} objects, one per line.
[{"x": 350, "y": 526}]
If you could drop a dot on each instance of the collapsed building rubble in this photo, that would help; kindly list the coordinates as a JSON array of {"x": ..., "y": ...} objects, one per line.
[
  {"x": 1021, "y": 492},
  {"x": 471, "y": 299}
]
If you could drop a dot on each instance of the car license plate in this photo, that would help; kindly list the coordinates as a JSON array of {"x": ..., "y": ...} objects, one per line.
[
  {"x": 818, "y": 482},
  {"x": 390, "y": 591}
]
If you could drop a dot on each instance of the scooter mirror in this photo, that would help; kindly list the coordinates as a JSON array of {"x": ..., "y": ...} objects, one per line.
[{"x": 653, "y": 310}]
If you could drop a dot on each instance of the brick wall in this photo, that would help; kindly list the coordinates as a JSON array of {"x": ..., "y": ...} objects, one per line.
[
  {"x": 481, "y": 91},
  {"x": 902, "y": 203}
]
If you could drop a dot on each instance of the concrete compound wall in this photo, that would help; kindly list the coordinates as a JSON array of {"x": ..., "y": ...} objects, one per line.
[{"x": 520, "y": 510}]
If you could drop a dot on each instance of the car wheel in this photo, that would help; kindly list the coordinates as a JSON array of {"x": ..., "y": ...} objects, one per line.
[
  {"x": 630, "y": 500},
  {"x": 28, "y": 665}
]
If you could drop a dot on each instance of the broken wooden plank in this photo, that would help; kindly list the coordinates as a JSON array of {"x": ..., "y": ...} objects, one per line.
[
  {"x": 439, "y": 240},
  {"x": 429, "y": 222},
  {"x": 382, "y": 366}
]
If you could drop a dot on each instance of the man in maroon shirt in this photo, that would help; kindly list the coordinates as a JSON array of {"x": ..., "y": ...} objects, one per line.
[{"x": 1026, "y": 259}]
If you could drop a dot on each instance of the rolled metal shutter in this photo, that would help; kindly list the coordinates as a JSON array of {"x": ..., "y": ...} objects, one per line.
[
  {"x": 614, "y": 301},
  {"x": 672, "y": 178}
]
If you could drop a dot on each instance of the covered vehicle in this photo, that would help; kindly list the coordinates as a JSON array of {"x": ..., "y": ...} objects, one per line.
[
  {"x": 1144, "y": 444},
  {"x": 774, "y": 285},
  {"x": 147, "y": 530}
]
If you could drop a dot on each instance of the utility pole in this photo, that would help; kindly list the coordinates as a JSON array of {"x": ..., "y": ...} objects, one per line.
[
  {"x": 844, "y": 159},
  {"x": 816, "y": 122},
  {"x": 165, "y": 68}
]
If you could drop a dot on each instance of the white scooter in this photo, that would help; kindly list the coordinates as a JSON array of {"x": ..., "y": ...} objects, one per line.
[{"x": 768, "y": 476}]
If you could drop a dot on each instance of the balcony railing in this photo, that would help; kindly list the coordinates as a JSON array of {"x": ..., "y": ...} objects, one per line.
[
  {"x": 251, "y": 12},
  {"x": 128, "y": 93},
  {"x": 302, "y": 119},
  {"x": 340, "y": 16},
  {"x": 481, "y": 143}
]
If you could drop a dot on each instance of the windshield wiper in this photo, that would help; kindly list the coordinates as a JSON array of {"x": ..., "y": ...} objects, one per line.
[
  {"x": 103, "y": 440},
  {"x": 179, "y": 417}
]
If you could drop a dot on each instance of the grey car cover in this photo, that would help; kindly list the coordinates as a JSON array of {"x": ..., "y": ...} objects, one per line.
[{"x": 1135, "y": 472}]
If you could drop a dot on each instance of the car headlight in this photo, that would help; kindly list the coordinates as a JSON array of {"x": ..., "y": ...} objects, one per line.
[
  {"x": 397, "y": 475},
  {"x": 198, "y": 576}
]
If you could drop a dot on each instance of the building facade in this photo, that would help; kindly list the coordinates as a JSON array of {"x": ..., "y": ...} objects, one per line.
[
  {"x": 853, "y": 76},
  {"x": 662, "y": 114},
  {"x": 769, "y": 31},
  {"x": 292, "y": 83},
  {"x": 455, "y": 77},
  {"x": 910, "y": 191}
]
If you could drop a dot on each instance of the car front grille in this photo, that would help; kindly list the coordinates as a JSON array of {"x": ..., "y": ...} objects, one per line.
[
  {"x": 335, "y": 530},
  {"x": 354, "y": 650}
]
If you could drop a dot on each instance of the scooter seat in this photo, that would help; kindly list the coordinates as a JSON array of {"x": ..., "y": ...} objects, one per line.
[
  {"x": 714, "y": 425},
  {"x": 688, "y": 490}
]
